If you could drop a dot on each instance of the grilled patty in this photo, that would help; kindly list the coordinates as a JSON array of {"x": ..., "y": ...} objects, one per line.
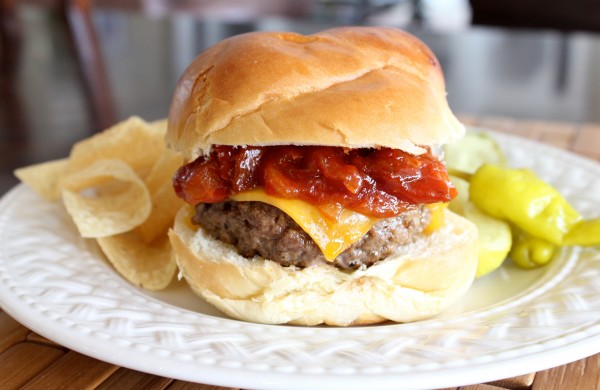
[{"x": 259, "y": 229}]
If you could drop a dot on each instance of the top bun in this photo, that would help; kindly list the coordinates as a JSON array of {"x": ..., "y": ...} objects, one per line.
[{"x": 350, "y": 86}]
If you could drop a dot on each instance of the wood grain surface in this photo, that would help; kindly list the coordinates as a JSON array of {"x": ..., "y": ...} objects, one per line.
[{"x": 30, "y": 361}]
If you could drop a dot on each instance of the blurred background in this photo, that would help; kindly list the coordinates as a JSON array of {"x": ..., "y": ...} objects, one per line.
[{"x": 72, "y": 67}]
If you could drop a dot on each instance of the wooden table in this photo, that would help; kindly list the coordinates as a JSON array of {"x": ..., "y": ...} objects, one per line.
[{"x": 30, "y": 361}]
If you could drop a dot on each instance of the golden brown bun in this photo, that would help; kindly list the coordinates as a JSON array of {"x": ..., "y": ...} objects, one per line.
[
  {"x": 420, "y": 282},
  {"x": 349, "y": 86}
]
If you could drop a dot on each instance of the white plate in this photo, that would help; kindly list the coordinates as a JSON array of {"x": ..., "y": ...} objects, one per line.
[{"x": 510, "y": 323}]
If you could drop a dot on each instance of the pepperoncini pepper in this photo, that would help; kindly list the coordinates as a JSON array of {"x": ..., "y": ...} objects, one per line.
[
  {"x": 531, "y": 252},
  {"x": 519, "y": 196},
  {"x": 584, "y": 233}
]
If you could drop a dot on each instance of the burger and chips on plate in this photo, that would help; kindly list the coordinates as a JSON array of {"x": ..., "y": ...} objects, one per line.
[{"x": 299, "y": 179}]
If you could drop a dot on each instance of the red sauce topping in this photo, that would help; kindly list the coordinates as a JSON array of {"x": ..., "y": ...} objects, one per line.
[{"x": 376, "y": 182}]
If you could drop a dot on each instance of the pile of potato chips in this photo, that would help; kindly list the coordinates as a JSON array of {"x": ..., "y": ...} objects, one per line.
[{"x": 117, "y": 188}]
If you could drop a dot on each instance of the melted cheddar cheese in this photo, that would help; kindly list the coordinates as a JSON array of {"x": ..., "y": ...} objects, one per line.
[
  {"x": 437, "y": 217},
  {"x": 332, "y": 235}
]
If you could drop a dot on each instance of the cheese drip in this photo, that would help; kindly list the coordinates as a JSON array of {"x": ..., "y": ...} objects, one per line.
[
  {"x": 332, "y": 236},
  {"x": 437, "y": 217}
]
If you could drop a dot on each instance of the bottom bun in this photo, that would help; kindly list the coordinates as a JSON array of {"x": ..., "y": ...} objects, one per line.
[{"x": 418, "y": 282}]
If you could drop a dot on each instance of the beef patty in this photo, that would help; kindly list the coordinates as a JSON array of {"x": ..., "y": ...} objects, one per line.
[{"x": 257, "y": 228}]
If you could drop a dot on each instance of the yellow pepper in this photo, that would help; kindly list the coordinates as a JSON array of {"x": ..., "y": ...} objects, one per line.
[
  {"x": 531, "y": 252},
  {"x": 520, "y": 197},
  {"x": 584, "y": 233}
]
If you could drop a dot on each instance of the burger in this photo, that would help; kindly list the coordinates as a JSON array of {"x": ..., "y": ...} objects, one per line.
[{"x": 314, "y": 187}]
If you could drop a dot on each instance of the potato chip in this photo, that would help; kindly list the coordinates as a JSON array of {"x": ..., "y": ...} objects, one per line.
[
  {"x": 151, "y": 266},
  {"x": 163, "y": 169},
  {"x": 44, "y": 178},
  {"x": 134, "y": 141},
  {"x": 106, "y": 198},
  {"x": 117, "y": 187},
  {"x": 165, "y": 203},
  {"x": 160, "y": 125}
]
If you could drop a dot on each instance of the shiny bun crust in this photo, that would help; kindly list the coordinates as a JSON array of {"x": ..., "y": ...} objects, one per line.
[
  {"x": 349, "y": 86},
  {"x": 418, "y": 282}
]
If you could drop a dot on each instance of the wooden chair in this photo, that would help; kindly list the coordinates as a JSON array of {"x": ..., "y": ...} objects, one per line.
[
  {"x": 79, "y": 28},
  {"x": 77, "y": 18}
]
